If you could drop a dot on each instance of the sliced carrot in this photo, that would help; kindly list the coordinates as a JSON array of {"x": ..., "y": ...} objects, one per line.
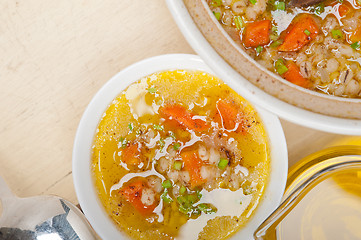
[
  {"x": 131, "y": 154},
  {"x": 257, "y": 33},
  {"x": 343, "y": 9},
  {"x": 231, "y": 115},
  {"x": 302, "y": 30},
  {"x": 193, "y": 164},
  {"x": 133, "y": 194},
  {"x": 294, "y": 75},
  {"x": 355, "y": 36},
  {"x": 182, "y": 116}
]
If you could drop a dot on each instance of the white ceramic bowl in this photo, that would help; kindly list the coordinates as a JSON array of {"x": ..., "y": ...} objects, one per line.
[
  {"x": 270, "y": 97},
  {"x": 83, "y": 181}
]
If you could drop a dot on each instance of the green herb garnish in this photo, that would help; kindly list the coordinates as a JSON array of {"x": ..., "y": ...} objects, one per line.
[
  {"x": 158, "y": 127},
  {"x": 182, "y": 190},
  {"x": 320, "y": 8},
  {"x": 280, "y": 5},
  {"x": 167, "y": 184},
  {"x": 166, "y": 198},
  {"x": 217, "y": 15},
  {"x": 222, "y": 164},
  {"x": 176, "y": 146},
  {"x": 161, "y": 143},
  {"x": 206, "y": 208},
  {"x": 177, "y": 165},
  {"x": 280, "y": 67},
  {"x": 308, "y": 33},
  {"x": 216, "y": 3},
  {"x": 130, "y": 126},
  {"x": 152, "y": 90},
  {"x": 253, "y": 1},
  {"x": 123, "y": 142},
  {"x": 337, "y": 34},
  {"x": 355, "y": 45},
  {"x": 238, "y": 22},
  {"x": 259, "y": 49},
  {"x": 276, "y": 43}
]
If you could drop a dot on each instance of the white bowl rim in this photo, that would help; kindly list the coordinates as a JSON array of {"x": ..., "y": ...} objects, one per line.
[
  {"x": 245, "y": 88},
  {"x": 83, "y": 181}
]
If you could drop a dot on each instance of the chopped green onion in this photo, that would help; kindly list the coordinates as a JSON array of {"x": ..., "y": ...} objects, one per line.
[
  {"x": 171, "y": 134},
  {"x": 176, "y": 146},
  {"x": 337, "y": 34},
  {"x": 182, "y": 209},
  {"x": 152, "y": 90},
  {"x": 177, "y": 165},
  {"x": 186, "y": 203},
  {"x": 181, "y": 200},
  {"x": 206, "y": 208},
  {"x": 167, "y": 184},
  {"x": 158, "y": 127},
  {"x": 355, "y": 45},
  {"x": 217, "y": 15},
  {"x": 130, "y": 126},
  {"x": 161, "y": 143},
  {"x": 320, "y": 9},
  {"x": 280, "y": 5},
  {"x": 222, "y": 164},
  {"x": 192, "y": 198},
  {"x": 123, "y": 142},
  {"x": 182, "y": 190},
  {"x": 273, "y": 37},
  {"x": 259, "y": 49},
  {"x": 166, "y": 198},
  {"x": 238, "y": 22},
  {"x": 253, "y": 1},
  {"x": 216, "y": 3},
  {"x": 274, "y": 29},
  {"x": 199, "y": 194},
  {"x": 280, "y": 67},
  {"x": 276, "y": 43},
  {"x": 308, "y": 33}
]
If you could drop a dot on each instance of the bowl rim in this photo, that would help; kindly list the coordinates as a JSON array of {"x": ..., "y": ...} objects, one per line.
[
  {"x": 251, "y": 92},
  {"x": 81, "y": 160}
]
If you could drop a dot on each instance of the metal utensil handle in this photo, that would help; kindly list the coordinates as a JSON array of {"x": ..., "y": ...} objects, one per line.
[{"x": 5, "y": 191}]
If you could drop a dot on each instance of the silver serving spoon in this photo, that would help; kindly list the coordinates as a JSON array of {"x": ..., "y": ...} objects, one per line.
[{"x": 40, "y": 217}]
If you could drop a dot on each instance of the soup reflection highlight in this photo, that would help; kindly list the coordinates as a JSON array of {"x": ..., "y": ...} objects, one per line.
[{"x": 180, "y": 155}]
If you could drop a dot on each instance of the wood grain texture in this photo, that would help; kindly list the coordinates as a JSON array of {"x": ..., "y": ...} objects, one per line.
[{"x": 55, "y": 55}]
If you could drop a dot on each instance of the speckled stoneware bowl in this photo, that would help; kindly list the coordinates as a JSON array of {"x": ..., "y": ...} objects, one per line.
[{"x": 259, "y": 85}]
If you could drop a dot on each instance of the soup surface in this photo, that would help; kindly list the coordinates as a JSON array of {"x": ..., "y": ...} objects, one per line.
[
  {"x": 313, "y": 43},
  {"x": 180, "y": 155}
]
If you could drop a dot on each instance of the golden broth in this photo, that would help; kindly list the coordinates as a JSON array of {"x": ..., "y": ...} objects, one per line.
[{"x": 180, "y": 155}]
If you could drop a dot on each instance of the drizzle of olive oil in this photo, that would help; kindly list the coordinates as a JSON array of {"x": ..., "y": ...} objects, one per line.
[{"x": 330, "y": 210}]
